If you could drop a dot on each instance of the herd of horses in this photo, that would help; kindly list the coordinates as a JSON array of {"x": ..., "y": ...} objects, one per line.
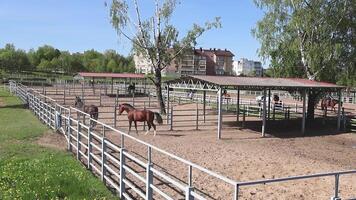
[{"x": 148, "y": 116}]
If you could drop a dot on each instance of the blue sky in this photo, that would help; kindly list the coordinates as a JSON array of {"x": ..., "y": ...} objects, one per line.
[{"x": 78, "y": 25}]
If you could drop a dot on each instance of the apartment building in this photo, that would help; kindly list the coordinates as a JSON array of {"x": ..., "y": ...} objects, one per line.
[
  {"x": 247, "y": 67},
  {"x": 195, "y": 62}
]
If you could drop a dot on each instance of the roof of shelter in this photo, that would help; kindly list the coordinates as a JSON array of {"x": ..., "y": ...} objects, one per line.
[
  {"x": 255, "y": 82},
  {"x": 110, "y": 75}
]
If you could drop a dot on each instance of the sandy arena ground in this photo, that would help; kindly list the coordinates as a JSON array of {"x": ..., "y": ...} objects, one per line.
[{"x": 243, "y": 155}]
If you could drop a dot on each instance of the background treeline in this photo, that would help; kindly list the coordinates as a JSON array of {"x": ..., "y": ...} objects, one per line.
[{"x": 49, "y": 59}]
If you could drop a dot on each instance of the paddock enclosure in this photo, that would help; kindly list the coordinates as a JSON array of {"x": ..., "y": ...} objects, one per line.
[{"x": 185, "y": 160}]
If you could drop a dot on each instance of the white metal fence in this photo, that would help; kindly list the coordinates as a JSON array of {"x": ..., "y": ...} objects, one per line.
[{"x": 110, "y": 161}]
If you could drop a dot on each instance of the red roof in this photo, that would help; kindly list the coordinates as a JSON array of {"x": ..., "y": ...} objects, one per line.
[
  {"x": 110, "y": 75},
  {"x": 258, "y": 82}
]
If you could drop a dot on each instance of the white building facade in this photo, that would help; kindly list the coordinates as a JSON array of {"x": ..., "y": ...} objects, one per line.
[{"x": 245, "y": 67}]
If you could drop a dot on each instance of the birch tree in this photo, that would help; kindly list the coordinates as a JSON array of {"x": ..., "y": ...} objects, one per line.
[
  {"x": 306, "y": 38},
  {"x": 154, "y": 37}
]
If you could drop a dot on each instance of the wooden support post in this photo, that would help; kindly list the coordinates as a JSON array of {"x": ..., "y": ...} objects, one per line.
[
  {"x": 117, "y": 97},
  {"x": 204, "y": 104},
  {"x": 167, "y": 104},
  {"x": 219, "y": 107},
  {"x": 238, "y": 104},
  {"x": 197, "y": 117},
  {"x": 243, "y": 116},
  {"x": 171, "y": 118},
  {"x": 339, "y": 110},
  {"x": 304, "y": 111},
  {"x": 112, "y": 86},
  {"x": 144, "y": 123},
  {"x": 343, "y": 119},
  {"x": 269, "y": 103},
  {"x": 264, "y": 114}
]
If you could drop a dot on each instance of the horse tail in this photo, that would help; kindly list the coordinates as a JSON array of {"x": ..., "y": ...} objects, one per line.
[{"x": 158, "y": 118}]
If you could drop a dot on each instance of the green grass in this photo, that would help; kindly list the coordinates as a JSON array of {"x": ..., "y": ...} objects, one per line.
[{"x": 30, "y": 171}]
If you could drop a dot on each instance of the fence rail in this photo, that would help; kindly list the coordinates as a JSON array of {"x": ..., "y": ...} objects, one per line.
[{"x": 110, "y": 161}]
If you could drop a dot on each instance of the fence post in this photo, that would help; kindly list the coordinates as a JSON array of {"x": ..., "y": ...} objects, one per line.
[
  {"x": 115, "y": 116},
  {"x": 64, "y": 96},
  {"x": 122, "y": 169},
  {"x": 103, "y": 156},
  {"x": 274, "y": 112},
  {"x": 288, "y": 113},
  {"x": 236, "y": 195},
  {"x": 343, "y": 118},
  {"x": 78, "y": 140},
  {"x": 133, "y": 98},
  {"x": 149, "y": 175},
  {"x": 189, "y": 188},
  {"x": 296, "y": 108},
  {"x": 100, "y": 98},
  {"x": 336, "y": 194},
  {"x": 244, "y": 116},
  {"x": 89, "y": 145},
  {"x": 144, "y": 123},
  {"x": 149, "y": 99},
  {"x": 171, "y": 118},
  {"x": 69, "y": 127},
  {"x": 197, "y": 118}
]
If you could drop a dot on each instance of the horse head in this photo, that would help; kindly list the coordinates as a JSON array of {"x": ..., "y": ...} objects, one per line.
[
  {"x": 78, "y": 101},
  {"x": 121, "y": 109}
]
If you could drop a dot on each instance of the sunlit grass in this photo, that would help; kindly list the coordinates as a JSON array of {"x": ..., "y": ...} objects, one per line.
[{"x": 29, "y": 171}]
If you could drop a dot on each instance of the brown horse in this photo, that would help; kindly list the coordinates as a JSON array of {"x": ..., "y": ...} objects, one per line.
[
  {"x": 135, "y": 115},
  {"x": 329, "y": 102},
  {"x": 92, "y": 110}
]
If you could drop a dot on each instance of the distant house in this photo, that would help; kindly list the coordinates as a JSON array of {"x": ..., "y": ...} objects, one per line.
[
  {"x": 195, "y": 62},
  {"x": 245, "y": 67}
]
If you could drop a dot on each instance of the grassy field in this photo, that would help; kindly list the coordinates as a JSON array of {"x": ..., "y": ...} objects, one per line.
[{"x": 30, "y": 171}]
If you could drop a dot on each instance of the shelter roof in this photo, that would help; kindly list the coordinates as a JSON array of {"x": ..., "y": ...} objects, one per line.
[
  {"x": 253, "y": 82},
  {"x": 110, "y": 75}
]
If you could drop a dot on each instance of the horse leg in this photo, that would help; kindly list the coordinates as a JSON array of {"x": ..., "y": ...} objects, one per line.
[
  {"x": 154, "y": 128},
  {"x": 130, "y": 123},
  {"x": 149, "y": 127},
  {"x": 136, "y": 127}
]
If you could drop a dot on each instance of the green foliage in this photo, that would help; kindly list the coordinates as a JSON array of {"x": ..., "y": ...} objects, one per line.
[
  {"x": 308, "y": 38},
  {"x": 49, "y": 59},
  {"x": 29, "y": 171},
  {"x": 13, "y": 60}
]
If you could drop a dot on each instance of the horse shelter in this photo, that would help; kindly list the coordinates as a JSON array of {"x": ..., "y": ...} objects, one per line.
[
  {"x": 219, "y": 84},
  {"x": 127, "y": 79}
]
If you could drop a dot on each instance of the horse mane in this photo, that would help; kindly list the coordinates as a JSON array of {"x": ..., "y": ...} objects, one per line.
[{"x": 128, "y": 105}]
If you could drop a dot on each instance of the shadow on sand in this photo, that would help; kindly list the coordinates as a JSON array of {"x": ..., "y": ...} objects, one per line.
[{"x": 290, "y": 128}]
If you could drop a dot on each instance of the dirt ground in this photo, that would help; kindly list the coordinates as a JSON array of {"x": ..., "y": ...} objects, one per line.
[
  {"x": 53, "y": 140},
  {"x": 243, "y": 155}
]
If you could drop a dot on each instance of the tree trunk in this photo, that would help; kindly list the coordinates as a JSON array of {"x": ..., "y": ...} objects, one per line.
[{"x": 158, "y": 84}]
